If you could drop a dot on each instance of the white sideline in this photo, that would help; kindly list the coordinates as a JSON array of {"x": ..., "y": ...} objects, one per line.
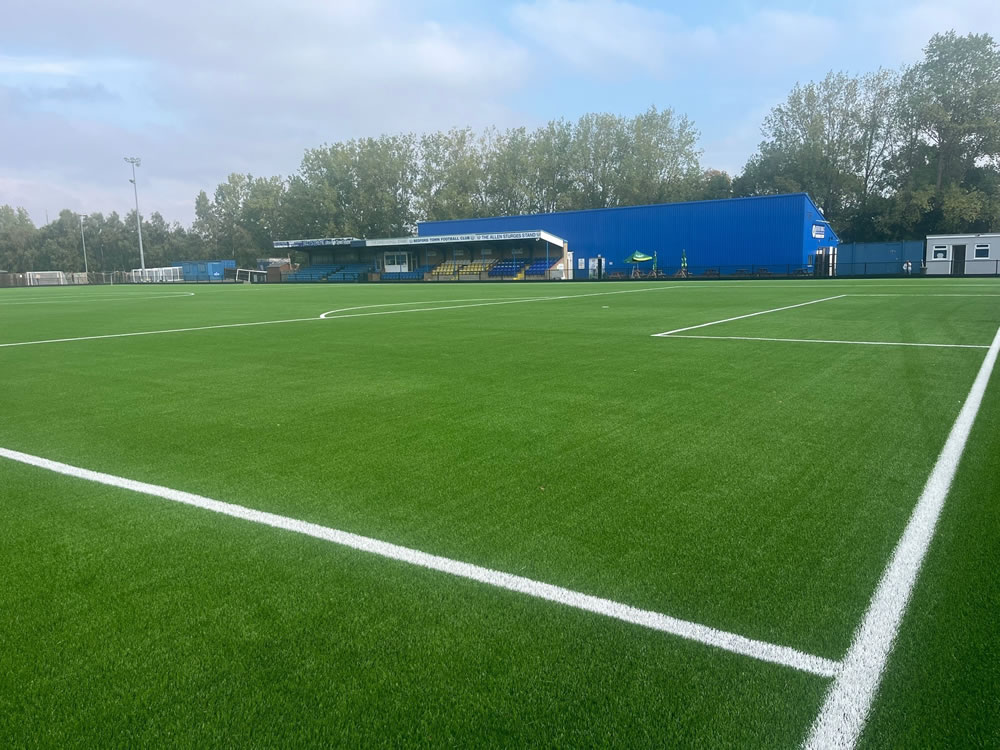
[
  {"x": 748, "y": 315},
  {"x": 849, "y": 700},
  {"x": 830, "y": 341},
  {"x": 95, "y": 298},
  {"x": 153, "y": 333},
  {"x": 328, "y": 315},
  {"x": 732, "y": 642}
]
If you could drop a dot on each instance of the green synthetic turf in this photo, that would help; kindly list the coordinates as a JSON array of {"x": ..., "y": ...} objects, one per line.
[
  {"x": 942, "y": 688},
  {"x": 757, "y": 487}
]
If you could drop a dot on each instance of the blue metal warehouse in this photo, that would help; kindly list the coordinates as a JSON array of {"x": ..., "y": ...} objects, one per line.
[{"x": 773, "y": 234}]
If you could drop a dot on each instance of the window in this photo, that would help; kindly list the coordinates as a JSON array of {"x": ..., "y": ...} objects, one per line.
[
  {"x": 982, "y": 251},
  {"x": 940, "y": 252}
]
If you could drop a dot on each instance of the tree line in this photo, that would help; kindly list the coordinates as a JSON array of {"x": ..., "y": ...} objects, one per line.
[{"x": 886, "y": 155}]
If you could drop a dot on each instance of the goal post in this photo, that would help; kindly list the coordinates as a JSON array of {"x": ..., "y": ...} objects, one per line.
[
  {"x": 250, "y": 276},
  {"x": 162, "y": 275}
]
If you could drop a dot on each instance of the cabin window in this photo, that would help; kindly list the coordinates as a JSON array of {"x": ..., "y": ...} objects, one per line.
[
  {"x": 982, "y": 252},
  {"x": 940, "y": 252}
]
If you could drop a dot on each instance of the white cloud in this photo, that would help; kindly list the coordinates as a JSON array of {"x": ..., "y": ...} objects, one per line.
[
  {"x": 609, "y": 37},
  {"x": 34, "y": 66},
  {"x": 203, "y": 89},
  {"x": 599, "y": 36},
  {"x": 906, "y": 27}
]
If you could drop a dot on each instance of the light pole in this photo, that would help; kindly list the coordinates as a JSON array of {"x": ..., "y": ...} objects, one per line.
[
  {"x": 83, "y": 240},
  {"x": 135, "y": 161}
]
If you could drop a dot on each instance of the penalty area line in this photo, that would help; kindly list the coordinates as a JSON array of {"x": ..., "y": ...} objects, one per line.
[
  {"x": 848, "y": 703},
  {"x": 732, "y": 642},
  {"x": 514, "y": 301},
  {"x": 748, "y": 315},
  {"x": 831, "y": 341}
]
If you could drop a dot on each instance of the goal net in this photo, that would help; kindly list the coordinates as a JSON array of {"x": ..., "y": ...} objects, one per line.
[
  {"x": 250, "y": 276},
  {"x": 46, "y": 278},
  {"x": 157, "y": 275}
]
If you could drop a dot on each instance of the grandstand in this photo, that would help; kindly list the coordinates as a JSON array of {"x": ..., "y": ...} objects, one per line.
[
  {"x": 508, "y": 269},
  {"x": 479, "y": 266},
  {"x": 540, "y": 266},
  {"x": 312, "y": 273},
  {"x": 461, "y": 257},
  {"x": 415, "y": 275},
  {"x": 449, "y": 268},
  {"x": 351, "y": 272},
  {"x": 476, "y": 270}
]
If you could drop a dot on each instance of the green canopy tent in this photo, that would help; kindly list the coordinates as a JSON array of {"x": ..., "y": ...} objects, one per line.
[{"x": 636, "y": 258}]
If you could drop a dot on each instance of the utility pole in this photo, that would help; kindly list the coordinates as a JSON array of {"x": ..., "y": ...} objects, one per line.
[
  {"x": 83, "y": 239},
  {"x": 135, "y": 161}
]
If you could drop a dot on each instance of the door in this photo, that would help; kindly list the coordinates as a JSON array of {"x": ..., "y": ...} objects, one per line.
[{"x": 958, "y": 260}]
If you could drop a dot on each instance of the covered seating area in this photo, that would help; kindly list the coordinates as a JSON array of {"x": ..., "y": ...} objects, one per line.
[{"x": 498, "y": 256}]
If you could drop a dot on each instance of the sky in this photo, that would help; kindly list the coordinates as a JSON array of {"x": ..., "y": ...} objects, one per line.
[{"x": 200, "y": 89}]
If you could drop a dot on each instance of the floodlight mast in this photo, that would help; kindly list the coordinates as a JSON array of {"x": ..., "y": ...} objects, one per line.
[
  {"x": 135, "y": 161},
  {"x": 83, "y": 240}
]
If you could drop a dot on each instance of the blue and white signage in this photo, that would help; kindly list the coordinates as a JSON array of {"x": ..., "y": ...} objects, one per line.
[{"x": 321, "y": 242}]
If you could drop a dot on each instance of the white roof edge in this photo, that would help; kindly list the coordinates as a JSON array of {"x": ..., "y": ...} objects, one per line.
[
  {"x": 440, "y": 239},
  {"x": 963, "y": 234},
  {"x": 553, "y": 239}
]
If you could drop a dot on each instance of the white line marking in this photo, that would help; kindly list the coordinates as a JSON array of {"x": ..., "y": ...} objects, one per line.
[
  {"x": 919, "y": 294},
  {"x": 420, "y": 302},
  {"x": 330, "y": 317},
  {"x": 153, "y": 333},
  {"x": 732, "y": 642},
  {"x": 843, "y": 716},
  {"x": 89, "y": 298},
  {"x": 829, "y": 341},
  {"x": 748, "y": 315}
]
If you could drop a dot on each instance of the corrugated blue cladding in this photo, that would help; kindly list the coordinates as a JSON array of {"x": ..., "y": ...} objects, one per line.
[{"x": 771, "y": 230}]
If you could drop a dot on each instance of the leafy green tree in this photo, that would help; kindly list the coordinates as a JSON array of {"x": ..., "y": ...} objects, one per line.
[
  {"x": 810, "y": 143},
  {"x": 659, "y": 160},
  {"x": 713, "y": 184},
  {"x": 18, "y": 238},
  {"x": 381, "y": 198},
  {"x": 952, "y": 99},
  {"x": 262, "y": 212},
  {"x": 452, "y": 179},
  {"x": 551, "y": 169},
  {"x": 206, "y": 225},
  {"x": 598, "y": 151},
  {"x": 510, "y": 188}
]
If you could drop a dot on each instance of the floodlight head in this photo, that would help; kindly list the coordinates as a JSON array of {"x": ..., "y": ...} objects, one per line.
[{"x": 134, "y": 160}]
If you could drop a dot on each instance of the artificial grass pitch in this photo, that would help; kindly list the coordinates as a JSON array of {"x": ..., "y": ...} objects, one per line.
[{"x": 752, "y": 486}]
